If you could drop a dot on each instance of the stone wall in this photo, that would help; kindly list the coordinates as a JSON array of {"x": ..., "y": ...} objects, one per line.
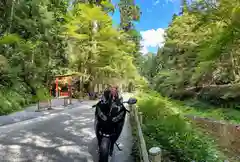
[{"x": 226, "y": 134}]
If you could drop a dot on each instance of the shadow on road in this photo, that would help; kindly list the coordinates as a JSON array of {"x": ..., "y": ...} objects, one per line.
[
  {"x": 65, "y": 138},
  {"x": 92, "y": 149}
]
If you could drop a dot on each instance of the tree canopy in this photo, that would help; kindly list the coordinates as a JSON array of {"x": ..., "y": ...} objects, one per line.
[
  {"x": 200, "y": 57},
  {"x": 44, "y": 38}
]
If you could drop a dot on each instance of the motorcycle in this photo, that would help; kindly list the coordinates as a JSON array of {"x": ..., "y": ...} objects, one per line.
[{"x": 108, "y": 127}]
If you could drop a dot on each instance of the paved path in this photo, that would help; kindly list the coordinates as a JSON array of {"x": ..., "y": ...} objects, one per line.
[
  {"x": 66, "y": 136},
  {"x": 29, "y": 112}
]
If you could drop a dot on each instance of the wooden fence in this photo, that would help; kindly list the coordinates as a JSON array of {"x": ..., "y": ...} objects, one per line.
[{"x": 154, "y": 154}]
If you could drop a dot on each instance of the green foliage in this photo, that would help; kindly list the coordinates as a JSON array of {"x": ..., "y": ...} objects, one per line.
[
  {"x": 201, "y": 51},
  {"x": 129, "y": 12},
  {"x": 44, "y": 38},
  {"x": 196, "y": 108},
  {"x": 103, "y": 51},
  {"x": 9, "y": 39},
  {"x": 13, "y": 99},
  {"x": 165, "y": 126},
  {"x": 30, "y": 49}
]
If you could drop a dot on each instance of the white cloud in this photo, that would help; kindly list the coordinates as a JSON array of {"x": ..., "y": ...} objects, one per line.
[
  {"x": 156, "y": 2},
  {"x": 170, "y": 1},
  {"x": 144, "y": 50},
  {"x": 152, "y": 38},
  {"x": 149, "y": 10}
]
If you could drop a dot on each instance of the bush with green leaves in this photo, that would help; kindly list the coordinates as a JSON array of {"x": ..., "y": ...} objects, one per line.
[
  {"x": 59, "y": 39},
  {"x": 15, "y": 98},
  {"x": 165, "y": 126},
  {"x": 201, "y": 56}
]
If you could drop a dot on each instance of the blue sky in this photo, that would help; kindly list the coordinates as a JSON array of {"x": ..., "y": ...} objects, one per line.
[{"x": 156, "y": 15}]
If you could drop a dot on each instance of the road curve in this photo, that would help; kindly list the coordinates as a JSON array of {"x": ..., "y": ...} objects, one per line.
[{"x": 66, "y": 136}]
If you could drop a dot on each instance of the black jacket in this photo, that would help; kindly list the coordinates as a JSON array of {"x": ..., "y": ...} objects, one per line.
[{"x": 106, "y": 101}]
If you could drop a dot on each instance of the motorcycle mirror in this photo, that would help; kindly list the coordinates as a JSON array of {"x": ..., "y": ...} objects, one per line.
[{"x": 132, "y": 101}]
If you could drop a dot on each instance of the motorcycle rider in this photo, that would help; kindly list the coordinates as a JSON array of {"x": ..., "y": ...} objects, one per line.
[{"x": 110, "y": 98}]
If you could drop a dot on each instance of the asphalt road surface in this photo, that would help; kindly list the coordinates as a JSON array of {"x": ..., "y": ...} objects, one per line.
[{"x": 66, "y": 136}]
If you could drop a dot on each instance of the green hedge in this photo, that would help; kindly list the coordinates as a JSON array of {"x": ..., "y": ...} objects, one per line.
[
  {"x": 17, "y": 97},
  {"x": 165, "y": 126}
]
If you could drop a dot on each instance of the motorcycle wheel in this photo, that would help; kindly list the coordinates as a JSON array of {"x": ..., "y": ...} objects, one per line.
[{"x": 104, "y": 150}]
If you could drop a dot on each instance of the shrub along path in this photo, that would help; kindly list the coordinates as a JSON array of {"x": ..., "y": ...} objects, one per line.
[{"x": 166, "y": 126}]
